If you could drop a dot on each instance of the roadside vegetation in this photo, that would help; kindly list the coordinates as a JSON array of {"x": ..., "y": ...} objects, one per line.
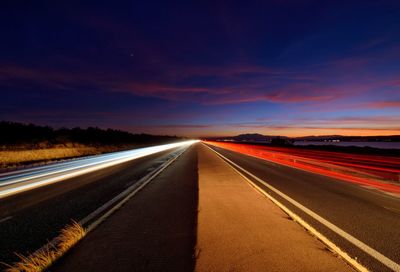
[
  {"x": 47, "y": 255},
  {"x": 22, "y": 144},
  {"x": 12, "y": 158}
]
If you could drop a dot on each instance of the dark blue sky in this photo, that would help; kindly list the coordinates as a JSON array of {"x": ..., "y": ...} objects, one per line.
[{"x": 203, "y": 67}]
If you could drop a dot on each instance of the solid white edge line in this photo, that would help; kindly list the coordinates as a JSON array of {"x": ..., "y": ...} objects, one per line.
[
  {"x": 367, "y": 249},
  {"x": 101, "y": 159},
  {"x": 145, "y": 180},
  {"x": 5, "y": 219},
  {"x": 131, "y": 191},
  {"x": 14, "y": 190},
  {"x": 370, "y": 188}
]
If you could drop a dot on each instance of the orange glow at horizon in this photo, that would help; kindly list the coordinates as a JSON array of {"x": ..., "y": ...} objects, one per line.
[
  {"x": 289, "y": 132},
  {"x": 300, "y": 132}
]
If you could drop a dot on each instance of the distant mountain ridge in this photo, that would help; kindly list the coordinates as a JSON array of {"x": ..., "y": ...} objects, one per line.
[
  {"x": 390, "y": 138},
  {"x": 248, "y": 137},
  {"x": 256, "y": 137}
]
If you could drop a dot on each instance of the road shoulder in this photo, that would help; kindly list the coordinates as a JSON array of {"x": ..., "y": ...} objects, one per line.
[{"x": 240, "y": 230}]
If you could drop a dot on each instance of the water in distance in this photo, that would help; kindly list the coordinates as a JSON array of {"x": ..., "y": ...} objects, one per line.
[{"x": 384, "y": 145}]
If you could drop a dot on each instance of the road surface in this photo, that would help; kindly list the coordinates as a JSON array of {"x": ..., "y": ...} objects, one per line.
[
  {"x": 231, "y": 228},
  {"x": 29, "y": 219},
  {"x": 370, "y": 216},
  {"x": 154, "y": 231}
]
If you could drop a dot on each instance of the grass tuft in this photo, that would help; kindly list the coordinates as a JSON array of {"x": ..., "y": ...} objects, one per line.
[
  {"x": 70, "y": 236},
  {"x": 44, "y": 257}
]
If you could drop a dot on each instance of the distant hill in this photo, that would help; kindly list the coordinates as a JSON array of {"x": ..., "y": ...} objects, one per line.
[
  {"x": 268, "y": 140},
  {"x": 13, "y": 134},
  {"x": 392, "y": 138},
  {"x": 255, "y": 137},
  {"x": 250, "y": 137}
]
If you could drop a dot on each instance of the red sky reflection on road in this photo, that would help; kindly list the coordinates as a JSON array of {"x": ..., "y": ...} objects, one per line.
[{"x": 379, "y": 172}]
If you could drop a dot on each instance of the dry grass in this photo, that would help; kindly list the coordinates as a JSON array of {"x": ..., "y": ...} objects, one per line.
[
  {"x": 11, "y": 158},
  {"x": 38, "y": 261},
  {"x": 69, "y": 236},
  {"x": 43, "y": 258}
]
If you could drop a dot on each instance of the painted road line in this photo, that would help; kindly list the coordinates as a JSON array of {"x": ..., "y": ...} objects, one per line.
[
  {"x": 125, "y": 195},
  {"x": 84, "y": 163},
  {"x": 116, "y": 203},
  {"x": 28, "y": 184},
  {"x": 368, "y": 184},
  {"x": 361, "y": 245},
  {"x": 5, "y": 219}
]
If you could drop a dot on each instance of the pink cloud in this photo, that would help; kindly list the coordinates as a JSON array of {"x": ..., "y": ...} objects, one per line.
[
  {"x": 252, "y": 90},
  {"x": 257, "y": 84},
  {"x": 292, "y": 93},
  {"x": 383, "y": 105}
]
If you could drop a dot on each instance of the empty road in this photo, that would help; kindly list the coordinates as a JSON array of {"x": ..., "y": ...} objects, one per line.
[
  {"x": 362, "y": 221},
  {"x": 30, "y": 218},
  {"x": 368, "y": 215}
]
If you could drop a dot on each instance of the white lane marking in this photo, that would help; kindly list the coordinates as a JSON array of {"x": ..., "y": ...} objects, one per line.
[
  {"x": 367, "y": 249},
  {"x": 126, "y": 195},
  {"x": 392, "y": 209},
  {"x": 137, "y": 154},
  {"x": 278, "y": 164},
  {"x": 5, "y": 219},
  {"x": 130, "y": 192}
]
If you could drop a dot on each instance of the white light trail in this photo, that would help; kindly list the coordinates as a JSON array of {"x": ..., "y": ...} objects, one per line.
[{"x": 19, "y": 181}]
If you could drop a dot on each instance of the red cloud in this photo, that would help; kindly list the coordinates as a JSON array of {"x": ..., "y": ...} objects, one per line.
[
  {"x": 383, "y": 105},
  {"x": 233, "y": 84}
]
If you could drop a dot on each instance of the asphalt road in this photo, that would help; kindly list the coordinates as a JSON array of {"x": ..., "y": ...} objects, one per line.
[
  {"x": 369, "y": 215},
  {"x": 30, "y": 219},
  {"x": 154, "y": 231}
]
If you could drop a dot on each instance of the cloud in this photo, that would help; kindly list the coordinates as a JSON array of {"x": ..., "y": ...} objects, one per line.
[
  {"x": 344, "y": 122},
  {"x": 383, "y": 105},
  {"x": 382, "y": 123},
  {"x": 233, "y": 84},
  {"x": 180, "y": 126},
  {"x": 290, "y": 93},
  {"x": 208, "y": 85}
]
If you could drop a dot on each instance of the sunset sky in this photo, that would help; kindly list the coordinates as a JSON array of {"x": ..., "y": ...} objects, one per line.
[{"x": 203, "y": 68}]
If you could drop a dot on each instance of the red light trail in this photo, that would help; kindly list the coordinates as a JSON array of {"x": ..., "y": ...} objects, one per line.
[{"x": 379, "y": 172}]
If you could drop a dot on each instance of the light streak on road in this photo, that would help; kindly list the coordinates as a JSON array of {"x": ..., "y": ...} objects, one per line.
[
  {"x": 379, "y": 172},
  {"x": 19, "y": 181}
]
